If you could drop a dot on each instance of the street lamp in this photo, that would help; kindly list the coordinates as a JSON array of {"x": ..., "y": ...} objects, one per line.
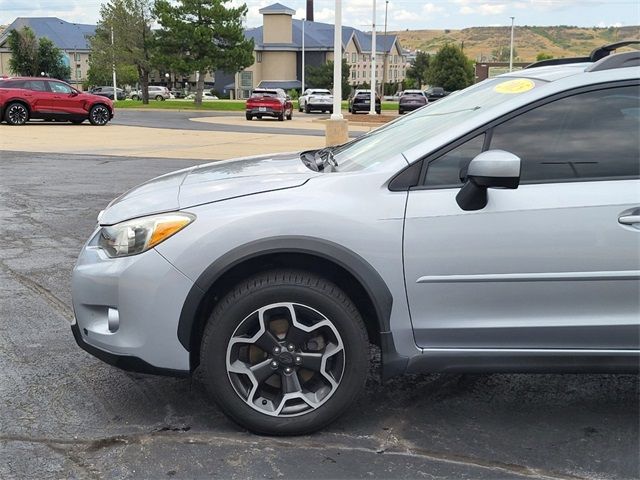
[
  {"x": 302, "y": 89},
  {"x": 337, "y": 63},
  {"x": 511, "y": 51},
  {"x": 372, "y": 103}
]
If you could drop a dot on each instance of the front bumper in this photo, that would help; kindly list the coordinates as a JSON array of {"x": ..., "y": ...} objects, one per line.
[{"x": 127, "y": 310}]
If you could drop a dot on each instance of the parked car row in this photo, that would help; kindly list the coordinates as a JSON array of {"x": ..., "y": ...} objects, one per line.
[{"x": 26, "y": 98}]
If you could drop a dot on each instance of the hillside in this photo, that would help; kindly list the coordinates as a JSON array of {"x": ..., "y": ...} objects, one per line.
[{"x": 480, "y": 42}]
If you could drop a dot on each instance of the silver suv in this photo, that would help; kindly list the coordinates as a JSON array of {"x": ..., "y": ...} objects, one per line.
[{"x": 496, "y": 230}]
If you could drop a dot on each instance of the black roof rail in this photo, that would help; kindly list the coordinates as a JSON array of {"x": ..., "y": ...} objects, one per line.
[
  {"x": 621, "y": 60},
  {"x": 597, "y": 54}
]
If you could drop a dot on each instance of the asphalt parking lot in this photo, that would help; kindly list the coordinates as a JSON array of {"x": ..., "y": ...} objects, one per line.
[{"x": 67, "y": 415}]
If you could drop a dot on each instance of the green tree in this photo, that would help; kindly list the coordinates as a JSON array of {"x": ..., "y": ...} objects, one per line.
[
  {"x": 543, "y": 56},
  {"x": 130, "y": 21},
  {"x": 102, "y": 75},
  {"x": 50, "y": 60},
  {"x": 417, "y": 72},
  {"x": 30, "y": 56},
  {"x": 322, "y": 76},
  {"x": 202, "y": 36},
  {"x": 451, "y": 69},
  {"x": 24, "y": 52}
]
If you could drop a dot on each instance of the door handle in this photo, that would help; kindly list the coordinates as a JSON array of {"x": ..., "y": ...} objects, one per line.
[{"x": 629, "y": 219}]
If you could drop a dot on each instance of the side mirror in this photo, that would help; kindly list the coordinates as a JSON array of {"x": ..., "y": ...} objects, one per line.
[
  {"x": 74, "y": 93},
  {"x": 490, "y": 169}
]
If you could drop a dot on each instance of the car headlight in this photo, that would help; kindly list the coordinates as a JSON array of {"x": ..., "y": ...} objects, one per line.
[{"x": 140, "y": 234}]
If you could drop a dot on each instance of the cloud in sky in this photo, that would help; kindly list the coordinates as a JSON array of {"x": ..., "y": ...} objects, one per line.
[{"x": 402, "y": 14}]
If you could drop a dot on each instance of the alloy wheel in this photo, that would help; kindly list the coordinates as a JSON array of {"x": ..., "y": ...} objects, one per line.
[
  {"x": 99, "y": 115},
  {"x": 285, "y": 359},
  {"x": 17, "y": 114}
]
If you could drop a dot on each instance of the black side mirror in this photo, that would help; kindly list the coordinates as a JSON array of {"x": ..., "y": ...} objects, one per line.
[
  {"x": 74, "y": 93},
  {"x": 490, "y": 169}
]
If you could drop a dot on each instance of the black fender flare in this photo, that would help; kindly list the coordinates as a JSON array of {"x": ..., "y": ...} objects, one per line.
[{"x": 369, "y": 278}]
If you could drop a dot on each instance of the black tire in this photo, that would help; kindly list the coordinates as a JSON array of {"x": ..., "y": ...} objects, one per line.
[
  {"x": 248, "y": 116},
  {"x": 400, "y": 111},
  {"x": 160, "y": 98},
  {"x": 99, "y": 115},
  {"x": 300, "y": 108},
  {"x": 378, "y": 111},
  {"x": 16, "y": 114},
  {"x": 290, "y": 114},
  {"x": 307, "y": 109},
  {"x": 309, "y": 293},
  {"x": 281, "y": 116}
]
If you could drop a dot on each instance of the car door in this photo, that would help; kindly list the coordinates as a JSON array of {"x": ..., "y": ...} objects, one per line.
[
  {"x": 553, "y": 264},
  {"x": 64, "y": 100},
  {"x": 38, "y": 96}
]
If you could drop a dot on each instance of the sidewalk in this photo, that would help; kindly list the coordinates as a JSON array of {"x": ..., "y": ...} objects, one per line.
[{"x": 148, "y": 142}]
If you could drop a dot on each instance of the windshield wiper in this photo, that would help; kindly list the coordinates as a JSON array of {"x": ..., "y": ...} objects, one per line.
[{"x": 324, "y": 156}]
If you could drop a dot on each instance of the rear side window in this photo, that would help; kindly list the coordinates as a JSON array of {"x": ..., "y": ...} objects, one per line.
[
  {"x": 36, "y": 85},
  {"x": 592, "y": 135}
]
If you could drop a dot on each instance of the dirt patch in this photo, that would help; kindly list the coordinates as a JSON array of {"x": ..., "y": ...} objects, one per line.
[{"x": 366, "y": 118}]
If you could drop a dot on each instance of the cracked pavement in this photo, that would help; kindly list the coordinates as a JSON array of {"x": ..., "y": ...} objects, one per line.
[{"x": 67, "y": 415}]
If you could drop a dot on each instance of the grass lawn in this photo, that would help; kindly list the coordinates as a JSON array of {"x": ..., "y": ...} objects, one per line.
[{"x": 220, "y": 105}]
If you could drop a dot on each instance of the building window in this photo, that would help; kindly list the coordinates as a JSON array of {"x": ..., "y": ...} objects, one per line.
[
  {"x": 354, "y": 57},
  {"x": 259, "y": 57},
  {"x": 246, "y": 79},
  {"x": 78, "y": 73},
  {"x": 353, "y": 74}
]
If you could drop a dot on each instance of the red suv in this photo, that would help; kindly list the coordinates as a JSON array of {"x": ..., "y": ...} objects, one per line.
[
  {"x": 24, "y": 98},
  {"x": 269, "y": 103}
]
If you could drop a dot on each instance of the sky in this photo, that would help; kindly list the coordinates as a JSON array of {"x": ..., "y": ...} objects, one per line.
[{"x": 402, "y": 14}]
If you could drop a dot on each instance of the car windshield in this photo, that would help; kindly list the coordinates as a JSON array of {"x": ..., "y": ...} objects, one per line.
[{"x": 402, "y": 134}]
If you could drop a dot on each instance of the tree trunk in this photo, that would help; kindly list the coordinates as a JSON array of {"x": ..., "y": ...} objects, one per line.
[
  {"x": 199, "y": 89},
  {"x": 144, "y": 85}
]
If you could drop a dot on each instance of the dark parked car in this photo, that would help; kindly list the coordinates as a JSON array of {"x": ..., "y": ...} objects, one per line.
[
  {"x": 411, "y": 100},
  {"x": 107, "y": 92},
  {"x": 269, "y": 103},
  {"x": 25, "y": 98},
  {"x": 360, "y": 101},
  {"x": 435, "y": 93}
]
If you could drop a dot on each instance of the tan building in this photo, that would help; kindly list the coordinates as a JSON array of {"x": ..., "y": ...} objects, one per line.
[
  {"x": 278, "y": 54},
  {"x": 71, "y": 38}
]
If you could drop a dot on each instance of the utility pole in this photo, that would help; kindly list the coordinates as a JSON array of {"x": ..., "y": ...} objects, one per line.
[
  {"x": 302, "y": 89},
  {"x": 337, "y": 63},
  {"x": 511, "y": 51},
  {"x": 385, "y": 64},
  {"x": 372, "y": 104},
  {"x": 113, "y": 66}
]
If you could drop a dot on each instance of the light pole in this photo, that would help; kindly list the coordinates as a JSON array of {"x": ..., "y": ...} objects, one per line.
[
  {"x": 302, "y": 89},
  {"x": 113, "y": 66},
  {"x": 511, "y": 50},
  {"x": 372, "y": 104},
  {"x": 337, "y": 63},
  {"x": 385, "y": 64}
]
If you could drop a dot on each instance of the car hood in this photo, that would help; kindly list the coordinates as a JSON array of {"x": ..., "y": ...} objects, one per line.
[{"x": 208, "y": 183}]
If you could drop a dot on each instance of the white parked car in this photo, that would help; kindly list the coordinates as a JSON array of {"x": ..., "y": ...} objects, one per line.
[
  {"x": 316, "y": 99},
  {"x": 206, "y": 96}
]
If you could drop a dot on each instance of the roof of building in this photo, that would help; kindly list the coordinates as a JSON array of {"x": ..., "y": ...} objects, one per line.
[
  {"x": 319, "y": 36},
  {"x": 277, "y": 8},
  {"x": 64, "y": 35}
]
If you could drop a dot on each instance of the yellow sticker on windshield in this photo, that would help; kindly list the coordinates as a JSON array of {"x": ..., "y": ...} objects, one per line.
[{"x": 520, "y": 85}]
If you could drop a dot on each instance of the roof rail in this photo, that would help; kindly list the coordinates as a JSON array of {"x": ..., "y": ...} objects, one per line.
[
  {"x": 597, "y": 54},
  {"x": 621, "y": 60}
]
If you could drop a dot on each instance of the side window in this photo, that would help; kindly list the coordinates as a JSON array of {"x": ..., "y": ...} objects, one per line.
[
  {"x": 592, "y": 135},
  {"x": 57, "y": 87},
  {"x": 35, "y": 85},
  {"x": 449, "y": 169}
]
